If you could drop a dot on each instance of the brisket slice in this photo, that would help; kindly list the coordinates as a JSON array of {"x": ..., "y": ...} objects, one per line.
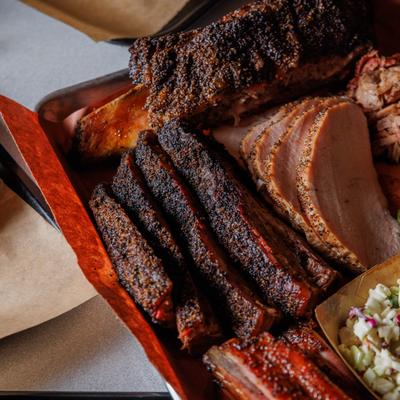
[
  {"x": 139, "y": 270},
  {"x": 246, "y": 315},
  {"x": 269, "y": 368},
  {"x": 197, "y": 325},
  {"x": 271, "y": 254},
  {"x": 265, "y": 52}
]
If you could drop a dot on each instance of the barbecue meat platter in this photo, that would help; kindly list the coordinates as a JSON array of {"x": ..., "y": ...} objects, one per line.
[{"x": 242, "y": 187}]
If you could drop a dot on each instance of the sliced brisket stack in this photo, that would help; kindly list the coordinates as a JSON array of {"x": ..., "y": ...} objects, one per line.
[
  {"x": 197, "y": 325},
  {"x": 273, "y": 256},
  {"x": 265, "y": 52},
  {"x": 240, "y": 307}
]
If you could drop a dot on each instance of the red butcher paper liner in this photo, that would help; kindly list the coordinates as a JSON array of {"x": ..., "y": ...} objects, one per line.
[{"x": 184, "y": 373}]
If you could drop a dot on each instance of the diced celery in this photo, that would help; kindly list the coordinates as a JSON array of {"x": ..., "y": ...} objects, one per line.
[
  {"x": 358, "y": 357},
  {"x": 369, "y": 376},
  {"x": 385, "y": 332},
  {"x": 379, "y": 370},
  {"x": 368, "y": 358},
  {"x": 373, "y": 305},
  {"x": 361, "y": 328},
  {"x": 382, "y": 386},
  {"x": 393, "y": 395},
  {"x": 346, "y": 353},
  {"x": 394, "y": 290},
  {"x": 394, "y": 300}
]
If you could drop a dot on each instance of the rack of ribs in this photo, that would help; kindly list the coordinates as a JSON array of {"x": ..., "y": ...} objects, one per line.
[
  {"x": 241, "y": 309},
  {"x": 197, "y": 324},
  {"x": 266, "y": 368},
  {"x": 139, "y": 269},
  {"x": 261, "y": 54},
  {"x": 272, "y": 255}
]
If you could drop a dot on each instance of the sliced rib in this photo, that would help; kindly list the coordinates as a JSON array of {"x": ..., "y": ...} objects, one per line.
[
  {"x": 246, "y": 315},
  {"x": 306, "y": 339},
  {"x": 240, "y": 221},
  {"x": 139, "y": 270},
  {"x": 339, "y": 191},
  {"x": 197, "y": 325},
  {"x": 264, "y": 364},
  {"x": 244, "y": 378}
]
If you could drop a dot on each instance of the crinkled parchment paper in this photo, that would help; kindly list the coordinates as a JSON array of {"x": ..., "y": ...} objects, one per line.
[
  {"x": 39, "y": 275},
  {"x": 104, "y": 19}
]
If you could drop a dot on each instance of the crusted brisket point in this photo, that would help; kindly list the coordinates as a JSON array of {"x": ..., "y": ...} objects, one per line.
[{"x": 259, "y": 54}]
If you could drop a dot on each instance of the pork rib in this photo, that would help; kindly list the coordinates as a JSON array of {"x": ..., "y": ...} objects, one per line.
[
  {"x": 256, "y": 240},
  {"x": 197, "y": 325},
  {"x": 265, "y": 52},
  {"x": 306, "y": 339},
  {"x": 245, "y": 313},
  {"x": 270, "y": 368},
  {"x": 139, "y": 270}
]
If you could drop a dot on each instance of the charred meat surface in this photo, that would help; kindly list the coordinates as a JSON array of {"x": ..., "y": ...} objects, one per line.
[
  {"x": 129, "y": 187},
  {"x": 197, "y": 325},
  {"x": 260, "y": 243},
  {"x": 245, "y": 314},
  {"x": 112, "y": 128},
  {"x": 267, "y": 368},
  {"x": 139, "y": 270},
  {"x": 265, "y": 52}
]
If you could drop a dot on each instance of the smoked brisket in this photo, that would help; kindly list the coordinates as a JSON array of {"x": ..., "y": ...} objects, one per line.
[
  {"x": 245, "y": 314},
  {"x": 197, "y": 325},
  {"x": 281, "y": 264},
  {"x": 263, "y": 53},
  {"x": 139, "y": 270}
]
